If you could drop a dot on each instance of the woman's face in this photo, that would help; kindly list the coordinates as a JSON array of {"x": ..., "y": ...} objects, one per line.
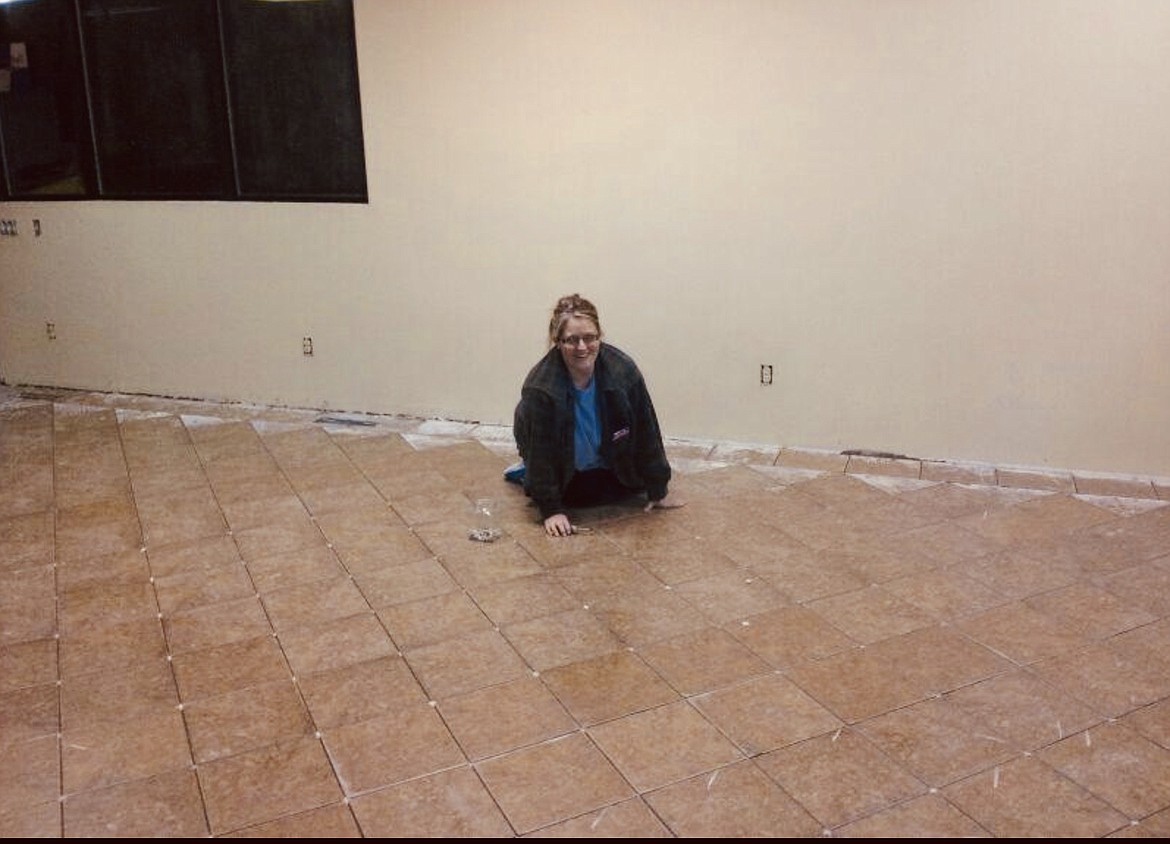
[{"x": 579, "y": 343}]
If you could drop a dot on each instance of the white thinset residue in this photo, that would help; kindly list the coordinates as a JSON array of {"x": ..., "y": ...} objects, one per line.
[
  {"x": 124, "y": 414},
  {"x": 995, "y": 778},
  {"x": 425, "y": 441},
  {"x": 1123, "y": 506},
  {"x": 202, "y": 421},
  {"x": 711, "y": 780},
  {"x": 694, "y": 466},
  {"x": 894, "y": 483},
  {"x": 597, "y": 819}
]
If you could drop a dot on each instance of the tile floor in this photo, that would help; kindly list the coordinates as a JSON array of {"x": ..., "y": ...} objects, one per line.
[{"x": 222, "y": 620}]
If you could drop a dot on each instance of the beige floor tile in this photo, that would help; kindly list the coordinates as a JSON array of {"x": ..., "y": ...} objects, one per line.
[
  {"x": 929, "y": 816},
  {"x": 388, "y": 585},
  {"x": 331, "y": 821},
  {"x": 1115, "y": 763},
  {"x": 608, "y": 687},
  {"x": 499, "y": 719},
  {"x": 1145, "y": 586},
  {"x": 294, "y": 568},
  {"x": 840, "y": 776},
  {"x": 630, "y": 819},
  {"x": 946, "y": 594},
  {"x": 871, "y": 614},
  {"x": 245, "y": 719},
  {"x": 664, "y": 745},
  {"x": 118, "y": 695},
  {"x": 111, "y": 647},
  {"x": 1152, "y": 721},
  {"x": 1106, "y": 678},
  {"x": 553, "y": 640},
  {"x": 216, "y": 670},
  {"x": 730, "y": 596},
  {"x": 32, "y": 772},
  {"x": 194, "y": 557},
  {"x": 32, "y": 820},
  {"x": 217, "y": 582},
  {"x": 93, "y": 530},
  {"x": 28, "y": 713},
  {"x": 360, "y": 691},
  {"x": 706, "y": 659},
  {"x": 1023, "y": 709},
  {"x": 313, "y": 603},
  {"x": 429, "y": 620},
  {"x": 405, "y": 744},
  {"x": 684, "y": 560},
  {"x": 522, "y": 598},
  {"x": 893, "y": 673},
  {"x": 181, "y": 515},
  {"x": 216, "y": 624},
  {"x": 168, "y": 805},
  {"x": 28, "y": 607},
  {"x": 446, "y": 804},
  {"x": 642, "y": 617},
  {"x": 1027, "y": 799},
  {"x": 802, "y": 575},
  {"x": 476, "y": 564},
  {"x": 265, "y": 784},
  {"x": 248, "y": 513},
  {"x": 461, "y": 665},
  {"x": 938, "y": 742},
  {"x": 551, "y": 782},
  {"x": 27, "y": 540},
  {"x": 737, "y": 801},
  {"x": 612, "y": 575},
  {"x": 28, "y": 663},
  {"x": 107, "y": 752},
  {"x": 789, "y": 634},
  {"x": 346, "y": 662},
  {"x": 336, "y": 643},
  {"x": 1090, "y": 610},
  {"x": 765, "y": 713}
]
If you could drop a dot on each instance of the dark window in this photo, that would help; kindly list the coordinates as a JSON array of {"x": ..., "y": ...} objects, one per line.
[
  {"x": 180, "y": 99},
  {"x": 296, "y": 112},
  {"x": 44, "y": 130}
]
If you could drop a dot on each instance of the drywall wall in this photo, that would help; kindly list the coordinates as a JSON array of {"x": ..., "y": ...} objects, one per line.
[{"x": 944, "y": 223}]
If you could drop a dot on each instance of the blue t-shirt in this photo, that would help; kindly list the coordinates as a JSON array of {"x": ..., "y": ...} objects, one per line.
[{"x": 587, "y": 431}]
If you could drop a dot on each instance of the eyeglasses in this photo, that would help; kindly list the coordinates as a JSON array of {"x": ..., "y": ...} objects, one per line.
[{"x": 573, "y": 340}]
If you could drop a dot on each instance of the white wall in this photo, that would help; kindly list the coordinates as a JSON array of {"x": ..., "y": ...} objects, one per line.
[{"x": 945, "y": 223}]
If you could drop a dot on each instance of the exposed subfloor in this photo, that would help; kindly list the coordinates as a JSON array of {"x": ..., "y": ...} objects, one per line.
[{"x": 221, "y": 620}]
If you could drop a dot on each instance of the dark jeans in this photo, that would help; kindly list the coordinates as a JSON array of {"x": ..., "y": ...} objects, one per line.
[{"x": 593, "y": 487}]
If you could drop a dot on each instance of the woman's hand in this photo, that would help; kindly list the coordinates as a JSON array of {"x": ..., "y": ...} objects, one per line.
[
  {"x": 670, "y": 502},
  {"x": 558, "y": 525}
]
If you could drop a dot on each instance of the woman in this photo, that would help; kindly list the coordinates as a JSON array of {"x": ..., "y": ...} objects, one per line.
[{"x": 585, "y": 426}]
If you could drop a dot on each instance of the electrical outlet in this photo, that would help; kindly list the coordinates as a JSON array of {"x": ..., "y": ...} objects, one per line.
[
  {"x": 51, "y": 330},
  {"x": 765, "y": 373},
  {"x": 307, "y": 345}
]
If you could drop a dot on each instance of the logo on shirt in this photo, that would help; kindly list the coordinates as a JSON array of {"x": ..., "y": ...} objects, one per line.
[{"x": 617, "y": 435}]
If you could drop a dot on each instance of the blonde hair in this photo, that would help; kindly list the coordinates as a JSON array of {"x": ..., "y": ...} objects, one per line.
[{"x": 570, "y": 306}]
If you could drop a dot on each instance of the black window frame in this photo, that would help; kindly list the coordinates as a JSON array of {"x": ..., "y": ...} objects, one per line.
[{"x": 225, "y": 100}]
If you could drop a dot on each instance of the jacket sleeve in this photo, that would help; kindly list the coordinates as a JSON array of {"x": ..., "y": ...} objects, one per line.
[
  {"x": 650, "y": 453},
  {"x": 536, "y": 417}
]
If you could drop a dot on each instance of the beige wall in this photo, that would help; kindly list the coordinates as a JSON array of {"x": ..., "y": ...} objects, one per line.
[{"x": 945, "y": 223}]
